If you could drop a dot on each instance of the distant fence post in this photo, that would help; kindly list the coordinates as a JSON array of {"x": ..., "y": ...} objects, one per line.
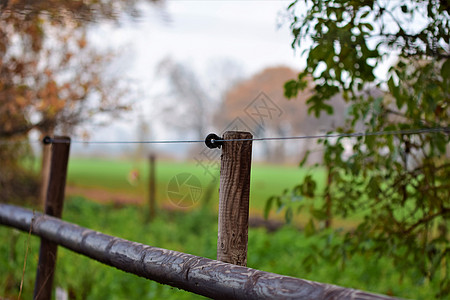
[
  {"x": 45, "y": 173},
  {"x": 53, "y": 207},
  {"x": 234, "y": 198},
  {"x": 151, "y": 188}
]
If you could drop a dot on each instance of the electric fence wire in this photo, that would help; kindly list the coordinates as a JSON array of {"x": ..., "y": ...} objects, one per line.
[
  {"x": 318, "y": 136},
  {"x": 354, "y": 134}
]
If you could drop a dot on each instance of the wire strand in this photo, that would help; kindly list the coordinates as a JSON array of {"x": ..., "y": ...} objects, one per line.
[
  {"x": 319, "y": 136},
  {"x": 355, "y": 134},
  {"x": 129, "y": 142}
]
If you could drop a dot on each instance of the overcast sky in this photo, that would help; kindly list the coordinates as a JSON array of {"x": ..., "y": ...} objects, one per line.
[
  {"x": 201, "y": 31},
  {"x": 196, "y": 33}
]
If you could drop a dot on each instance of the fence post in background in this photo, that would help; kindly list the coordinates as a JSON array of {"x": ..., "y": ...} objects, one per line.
[
  {"x": 328, "y": 200},
  {"x": 45, "y": 173},
  {"x": 53, "y": 207},
  {"x": 152, "y": 188},
  {"x": 234, "y": 198}
]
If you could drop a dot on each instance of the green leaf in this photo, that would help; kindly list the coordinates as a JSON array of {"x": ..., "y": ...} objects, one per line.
[
  {"x": 440, "y": 143},
  {"x": 309, "y": 262},
  {"x": 291, "y": 89},
  {"x": 368, "y": 26},
  {"x": 365, "y": 14},
  {"x": 328, "y": 108},
  {"x": 394, "y": 89},
  {"x": 292, "y": 4},
  {"x": 308, "y": 186},
  {"x": 268, "y": 207},
  {"x": 445, "y": 70},
  {"x": 299, "y": 208},
  {"x": 310, "y": 229},
  {"x": 288, "y": 215},
  {"x": 305, "y": 158},
  {"x": 319, "y": 214},
  {"x": 370, "y": 141}
]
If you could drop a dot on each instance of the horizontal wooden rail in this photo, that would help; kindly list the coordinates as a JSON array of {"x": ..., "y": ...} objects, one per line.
[{"x": 195, "y": 274}]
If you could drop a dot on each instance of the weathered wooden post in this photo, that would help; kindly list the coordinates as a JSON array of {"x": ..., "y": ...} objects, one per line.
[
  {"x": 53, "y": 207},
  {"x": 234, "y": 198},
  {"x": 45, "y": 173},
  {"x": 151, "y": 188}
]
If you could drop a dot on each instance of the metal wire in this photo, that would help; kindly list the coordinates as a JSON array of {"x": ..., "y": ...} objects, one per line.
[
  {"x": 129, "y": 142},
  {"x": 355, "y": 134},
  {"x": 319, "y": 136}
]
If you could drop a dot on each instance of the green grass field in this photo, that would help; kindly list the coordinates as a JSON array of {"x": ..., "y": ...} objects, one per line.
[{"x": 266, "y": 180}]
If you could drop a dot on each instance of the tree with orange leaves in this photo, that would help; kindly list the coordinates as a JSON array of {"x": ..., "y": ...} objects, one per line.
[{"x": 51, "y": 78}]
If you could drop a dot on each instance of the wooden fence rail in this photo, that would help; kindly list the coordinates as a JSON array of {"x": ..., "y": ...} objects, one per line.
[{"x": 196, "y": 274}]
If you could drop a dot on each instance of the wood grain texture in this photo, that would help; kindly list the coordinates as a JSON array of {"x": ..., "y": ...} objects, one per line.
[
  {"x": 53, "y": 207},
  {"x": 234, "y": 194},
  {"x": 196, "y": 274}
]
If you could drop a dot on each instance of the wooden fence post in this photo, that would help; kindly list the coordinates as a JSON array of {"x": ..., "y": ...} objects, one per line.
[
  {"x": 151, "y": 188},
  {"x": 53, "y": 207},
  {"x": 45, "y": 173},
  {"x": 234, "y": 198}
]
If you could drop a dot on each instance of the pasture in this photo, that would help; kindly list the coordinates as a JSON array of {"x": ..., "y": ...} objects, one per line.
[
  {"x": 107, "y": 181},
  {"x": 113, "y": 176}
]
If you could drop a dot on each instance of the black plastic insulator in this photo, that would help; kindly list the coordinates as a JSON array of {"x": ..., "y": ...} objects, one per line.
[
  {"x": 213, "y": 141},
  {"x": 47, "y": 140}
]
